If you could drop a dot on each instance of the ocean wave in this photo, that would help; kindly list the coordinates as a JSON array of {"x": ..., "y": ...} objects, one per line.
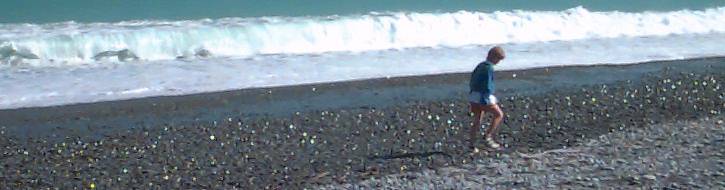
[{"x": 72, "y": 42}]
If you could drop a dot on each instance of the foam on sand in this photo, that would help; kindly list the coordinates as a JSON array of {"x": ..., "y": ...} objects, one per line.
[{"x": 65, "y": 63}]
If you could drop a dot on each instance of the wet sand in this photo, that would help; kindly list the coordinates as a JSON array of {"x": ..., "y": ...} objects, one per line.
[{"x": 345, "y": 132}]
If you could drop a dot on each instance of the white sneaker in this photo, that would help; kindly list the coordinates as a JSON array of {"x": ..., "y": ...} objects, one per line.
[{"x": 492, "y": 144}]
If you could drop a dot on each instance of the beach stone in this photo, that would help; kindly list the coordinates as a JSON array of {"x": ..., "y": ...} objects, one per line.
[{"x": 650, "y": 177}]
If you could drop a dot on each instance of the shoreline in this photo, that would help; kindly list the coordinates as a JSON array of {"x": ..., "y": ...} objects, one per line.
[
  {"x": 111, "y": 116},
  {"x": 347, "y": 144}
]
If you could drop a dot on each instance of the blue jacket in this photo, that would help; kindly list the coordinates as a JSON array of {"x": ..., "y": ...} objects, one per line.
[{"x": 482, "y": 79}]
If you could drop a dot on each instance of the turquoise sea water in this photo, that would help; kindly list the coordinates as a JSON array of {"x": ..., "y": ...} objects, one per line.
[{"x": 45, "y": 11}]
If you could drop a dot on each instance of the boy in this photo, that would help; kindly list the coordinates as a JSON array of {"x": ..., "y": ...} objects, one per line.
[{"x": 482, "y": 99}]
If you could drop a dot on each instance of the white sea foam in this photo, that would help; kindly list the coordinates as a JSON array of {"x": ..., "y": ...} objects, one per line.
[
  {"x": 264, "y": 52},
  {"x": 60, "y": 44},
  {"x": 30, "y": 86}
]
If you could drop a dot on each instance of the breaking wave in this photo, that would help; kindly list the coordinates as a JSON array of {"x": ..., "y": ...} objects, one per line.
[{"x": 71, "y": 42}]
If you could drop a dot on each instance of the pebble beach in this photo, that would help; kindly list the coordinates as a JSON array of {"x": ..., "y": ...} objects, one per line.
[
  {"x": 663, "y": 129},
  {"x": 678, "y": 155}
]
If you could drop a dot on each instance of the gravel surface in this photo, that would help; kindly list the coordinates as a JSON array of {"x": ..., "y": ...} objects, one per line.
[
  {"x": 349, "y": 146},
  {"x": 679, "y": 155}
]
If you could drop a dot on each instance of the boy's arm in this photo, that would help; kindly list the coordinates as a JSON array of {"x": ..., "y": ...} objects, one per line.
[{"x": 489, "y": 81}]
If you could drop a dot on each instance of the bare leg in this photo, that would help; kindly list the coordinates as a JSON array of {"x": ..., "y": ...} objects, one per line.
[
  {"x": 477, "y": 110},
  {"x": 497, "y": 117}
]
